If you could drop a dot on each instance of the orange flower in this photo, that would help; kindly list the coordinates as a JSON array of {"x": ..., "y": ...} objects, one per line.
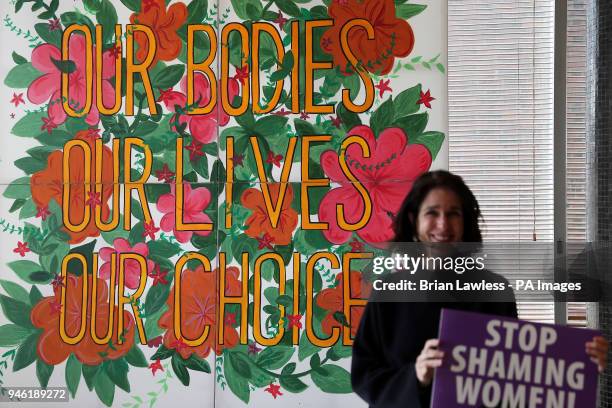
[
  {"x": 259, "y": 222},
  {"x": 332, "y": 300},
  {"x": 48, "y": 184},
  {"x": 164, "y": 24},
  {"x": 199, "y": 309},
  {"x": 45, "y": 315},
  {"x": 393, "y": 37}
]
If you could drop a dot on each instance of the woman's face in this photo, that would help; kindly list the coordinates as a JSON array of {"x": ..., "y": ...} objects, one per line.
[{"x": 440, "y": 217}]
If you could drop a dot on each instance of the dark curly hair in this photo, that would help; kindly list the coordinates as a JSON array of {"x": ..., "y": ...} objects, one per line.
[{"x": 404, "y": 225}]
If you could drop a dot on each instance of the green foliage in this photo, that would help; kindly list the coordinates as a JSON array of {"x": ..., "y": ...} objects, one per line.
[{"x": 21, "y": 76}]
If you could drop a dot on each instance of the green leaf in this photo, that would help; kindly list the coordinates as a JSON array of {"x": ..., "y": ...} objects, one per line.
[
  {"x": 136, "y": 357},
  {"x": 145, "y": 128},
  {"x": 240, "y": 8},
  {"x": 406, "y": 101},
  {"x": 406, "y": 11},
  {"x": 19, "y": 188},
  {"x": 382, "y": 117},
  {"x": 29, "y": 125},
  {"x": 16, "y": 311},
  {"x": 178, "y": 365},
  {"x": 105, "y": 388},
  {"x": 24, "y": 268},
  {"x": 65, "y": 66},
  {"x": 107, "y": 17},
  {"x": 270, "y": 124},
  {"x": 275, "y": 357},
  {"x": 156, "y": 297},
  {"x": 13, "y": 335},
  {"x": 349, "y": 119},
  {"x": 75, "y": 17},
  {"x": 412, "y": 125},
  {"x": 17, "y": 204},
  {"x": 306, "y": 347},
  {"x": 133, "y": 5},
  {"x": 21, "y": 76},
  {"x": 75, "y": 266},
  {"x": 18, "y": 59},
  {"x": 117, "y": 372},
  {"x": 332, "y": 379},
  {"x": 169, "y": 76},
  {"x": 304, "y": 128},
  {"x": 162, "y": 353},
  {"x": 200, "y": 165},
  {"x": 236, "y": 383},
  {"x": 90, "y": 373},
  {"x": 43, "y": 372},
  {"x": 28, "y": 210},
  {"x": 292, "y": 383},
  {"x": 15, "y": 291},
  {"x": 289, "y": 7},
  {"x": 73, "y": 374},
  {"x": 240, "y": 363},
  {"x": 35, "y": 295},
  {"x": 42, "y": 277},
  {"x": 30, "y": 165},
  {"x": 432, "y": 140},
  {"x": 26, "y": 353},
  {"x": 52, "y": 37},
  {"x": 197, "y": 11},
  {"x": 196, "y": 363}
]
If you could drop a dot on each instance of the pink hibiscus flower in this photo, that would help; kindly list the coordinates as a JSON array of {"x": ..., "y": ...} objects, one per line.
[
  {"x": 132, "y": 267},
  {"x": 202, "y": 127},
  {"x": 195, "y": 201},
  {"x": 48, "y": 87},
  {"x": 388, "y": 175}
]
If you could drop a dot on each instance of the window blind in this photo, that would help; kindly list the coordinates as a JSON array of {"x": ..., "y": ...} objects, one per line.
[{"x": 500, "y": 85}]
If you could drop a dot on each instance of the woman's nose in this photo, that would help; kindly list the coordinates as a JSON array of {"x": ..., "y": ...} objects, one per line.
[{"x": 442, "y": 221}]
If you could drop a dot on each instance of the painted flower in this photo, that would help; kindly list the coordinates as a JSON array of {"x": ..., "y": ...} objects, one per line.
[
  {"x": 195, "y": 201},
  {"x": 46, "y": 313},
  {"x": 332, "y": 300},
  {"x": 165, "y": 24},
  {"x": 388, "y": 175},
  {"x": 48, "y": 87},
  {"x": 198, "y": 309},
  {"x": 132, "y": 267},
  {"x": 259, "y": 222},
  {"x": 48, "y": 184},
  {"x": 202, "y": 127},
  {"x": 393, "y": 37}
]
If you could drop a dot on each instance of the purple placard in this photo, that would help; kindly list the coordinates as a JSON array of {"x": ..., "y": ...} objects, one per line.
[{"x": 495, "y": 361}]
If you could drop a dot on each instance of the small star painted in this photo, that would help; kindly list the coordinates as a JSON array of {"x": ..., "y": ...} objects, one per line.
[
  {"x": 150, "y": 229},
  {"x": 22, "y": 248},
  {"x": 294, "y": 320},
  {"x": 265, "y": 241},
  {"x": 325, "y": 43},
  {"x": 336, "y": 121},
  {"x": 304, "y": 116},
  {"x": 280, "y": 20},
  {"x": 356, "y": 246},
  {"x": 282, "y": 112},
  {"x": 238, "y": 160},
  {"x": 17, "y": 99},
  {"x": 194, "y": 150},
  {"x": 54, "y": 24},
  {"x": 57, "y": 282},
  {"x": 426, "y": 99},
  {"x": 242, "y": 74},
  {"x": 383, "y": 86},
  {"x": 164, "y": 174},
  {"x": 115, "y": 51},
  {"x": 274, "y": 159},
  {"x": 253, "y": 349},
  {"x": 43, "y": 212},
  {"x": 274, "y": 390},
  {"x": 158, "y": 276},
  {"x": 156, "y": 366},
  {"x": 93, "y": 199},
  {"x": 12, "y": 116},
  {"x": 48, "y": 125}
]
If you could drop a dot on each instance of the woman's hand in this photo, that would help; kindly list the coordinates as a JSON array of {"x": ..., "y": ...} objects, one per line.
[
  {"x": 429, "y": 359},
  {"x": 597, "y": 349}
]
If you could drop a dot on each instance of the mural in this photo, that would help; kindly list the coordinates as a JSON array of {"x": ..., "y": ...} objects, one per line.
[{"x": 191, "y": 190}]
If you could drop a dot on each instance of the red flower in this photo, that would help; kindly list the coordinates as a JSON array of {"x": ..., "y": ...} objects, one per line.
[
  {"x": 48, "y": 125},
  {"x": 294, "y": 320},
  {"x": 280, "y": 20},
  {"x": 274, "y": 159},
  {"x": 393, "y": 37},
  {"x": 164, "y": 174},
  {"x": 387, "y": 174},
  {"x": 383, "y": 86},
  {"x": 259, "y": 222},
  {"x": 17, "y": 99},
  {"x": 426, "y": 99},
  {"x": 43, "y": 212},
  {"x": 274, "y": 390},
  {"x": 264, "y": 241},
  {"x": 332, "y": 301},
  {"x": 336, "y": 122},
  {"x": 356, "y": 246},
  {"x": 156, "y": 366},
  {"x": 242, "y": 74},
  {"x": 22, "y": 248},
  {"x": 195, "y": 149},
  {"x": 150, "y": 229},
  {"x": 198, "y": 309},
  {"x": 93, "y": 199},
  {"x": 164, "y": 24},
  {"x": 158, "y": 276},
  {"x": 53, "y": 350}
]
